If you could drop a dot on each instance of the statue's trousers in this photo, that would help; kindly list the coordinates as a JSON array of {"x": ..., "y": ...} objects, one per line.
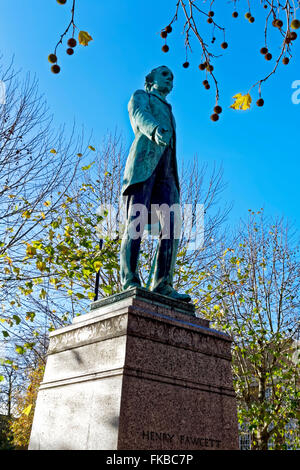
[{"x": 155, "y": 200}]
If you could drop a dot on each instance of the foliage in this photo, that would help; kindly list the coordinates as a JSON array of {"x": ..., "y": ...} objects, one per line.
[
  {"x": 5, "y": 433},
  {"x": 21, "y": 425},
  {"x": 34, "y": 179},
  {"x": 253, "y": 295},
  {"x": 69, "y": 256}
]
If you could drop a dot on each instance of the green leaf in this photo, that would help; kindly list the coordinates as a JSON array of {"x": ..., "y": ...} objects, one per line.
[
  {"x": 20, "y": 349},
  {"x": 43, "y": 294},
  {"x": 87, "y": 167},
  {"x": 17, "y": 319},
  {"x": 79, "y": 295}
]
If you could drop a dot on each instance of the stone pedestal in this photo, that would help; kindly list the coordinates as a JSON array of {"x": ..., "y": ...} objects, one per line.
[{"x": 140, "y": 371}]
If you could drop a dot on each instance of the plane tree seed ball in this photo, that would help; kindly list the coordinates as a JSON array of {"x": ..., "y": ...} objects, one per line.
[
  {"x": 55, "y": 68},
  {"x": 295, "y": 24},
  {"x": 217, "y": 109},
  {"x": 72, "y": 42},
  {"x": 61, "y": 2},
  {"x": 209, "y": 20},
  {"x": 293, "y": 35},
  {"x": 185, "y": 65},
  {"x": 268, "y": 56},
  {"x": 202, "y": 66},
  {"x": 224, "y": 45},
  {"x": 169, "y": 29},
  {"x": 70, "y": 51},
  {"x": 252, "y": 19},
  {"x": 248, "y": 15},
  {"x": 285, "y": 60},
  {"x": 235, "y": 14},
  {"x": 214, "y": 117},
  {"x": 165, "y": 48},
  {"x": 52, "y": 58},
  {"x": 164, "y": 34},
  {"x": 211, "y": 13},
  {"x": 264, "y": 50},
  {"x": 260, "y": 102}
]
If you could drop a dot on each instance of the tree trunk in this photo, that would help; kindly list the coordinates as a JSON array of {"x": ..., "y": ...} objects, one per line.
[{"x": 260, "y": 440}]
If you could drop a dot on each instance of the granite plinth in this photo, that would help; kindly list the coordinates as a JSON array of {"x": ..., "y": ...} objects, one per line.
[{"x": 137, "y": 372}]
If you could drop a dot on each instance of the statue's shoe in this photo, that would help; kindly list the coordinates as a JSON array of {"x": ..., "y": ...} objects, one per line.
[
  {"x": 170, "y": 292},
  {"x": 131, "y": 285}
]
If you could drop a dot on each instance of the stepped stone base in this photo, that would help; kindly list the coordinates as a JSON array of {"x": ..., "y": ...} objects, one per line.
[{"x": 140, "y": 371}]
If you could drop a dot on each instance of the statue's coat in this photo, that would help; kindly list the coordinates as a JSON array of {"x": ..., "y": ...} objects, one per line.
[{"x": 147, "y": 111}]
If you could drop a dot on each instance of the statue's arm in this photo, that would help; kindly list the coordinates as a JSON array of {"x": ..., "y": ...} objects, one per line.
[{"x": 140, "y": 112}]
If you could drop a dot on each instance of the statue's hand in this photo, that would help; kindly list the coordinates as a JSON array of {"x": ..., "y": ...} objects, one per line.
[{"x": 162, "y": 136}]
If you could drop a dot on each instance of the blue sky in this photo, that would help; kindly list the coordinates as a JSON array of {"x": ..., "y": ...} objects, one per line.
[{"x": 258, "y": 149}]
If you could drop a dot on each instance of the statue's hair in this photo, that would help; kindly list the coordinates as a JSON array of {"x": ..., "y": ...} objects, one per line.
[{"x": 149, "y": 79}]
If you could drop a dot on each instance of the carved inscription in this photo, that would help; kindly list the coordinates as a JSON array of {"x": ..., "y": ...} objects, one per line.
[{"x": 197, "y": 442}]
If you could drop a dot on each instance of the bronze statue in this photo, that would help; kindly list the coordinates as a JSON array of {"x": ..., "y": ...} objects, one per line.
[{"x": 151, "y": 180}]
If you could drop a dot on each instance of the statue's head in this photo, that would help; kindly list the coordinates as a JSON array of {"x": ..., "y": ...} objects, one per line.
[{"x": 160, "y": 79}]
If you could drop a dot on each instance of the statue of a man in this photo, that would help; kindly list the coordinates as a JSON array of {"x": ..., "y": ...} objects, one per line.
[{"x": 151, "y": 180}]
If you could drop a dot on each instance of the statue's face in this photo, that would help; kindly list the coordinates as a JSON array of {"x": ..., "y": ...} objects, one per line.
[{"x": 163, "y": 80}]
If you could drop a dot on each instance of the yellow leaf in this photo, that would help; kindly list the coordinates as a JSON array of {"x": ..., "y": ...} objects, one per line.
[
  {"x": 84, "y": 38},
  {"x": 41, "y": 265},
  {"x": 27, "y": 410},
  {"x": 26, "y": 215},
  {"x": 91, "y": 148},
  {"x": 30, "y": 250},
  {"x": 43, "y": 215},
  {"x": 79, "y": 155},
  {"x": 97, "y": 265},
  {"x": 47, "y": 203},
  {"x": 53, "y": 151},
  {"x": 242, "y": 101},
  {"x": 8, "y": 259}
]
